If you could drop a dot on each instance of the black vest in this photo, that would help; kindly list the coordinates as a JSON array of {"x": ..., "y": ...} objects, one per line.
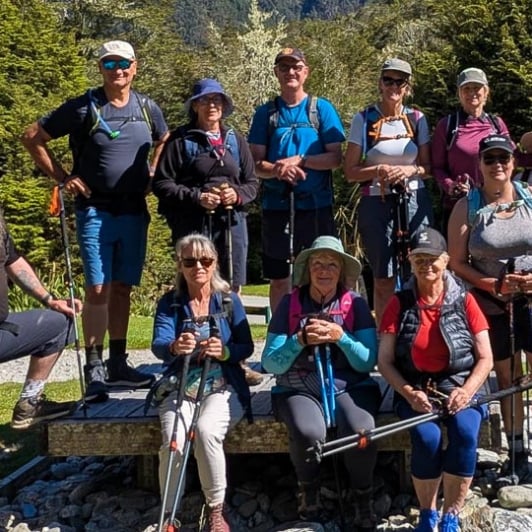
[{"x": 456, "y": 334}]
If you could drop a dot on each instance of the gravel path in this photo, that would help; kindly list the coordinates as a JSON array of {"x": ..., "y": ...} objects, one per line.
[{"x": 67, "y": 365}]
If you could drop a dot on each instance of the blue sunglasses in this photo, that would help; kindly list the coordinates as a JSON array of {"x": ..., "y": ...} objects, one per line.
[{"x": 111, "y": 64}]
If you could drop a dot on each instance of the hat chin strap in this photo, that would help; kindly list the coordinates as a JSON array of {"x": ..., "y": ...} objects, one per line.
[{"x": 323, "y": 297}]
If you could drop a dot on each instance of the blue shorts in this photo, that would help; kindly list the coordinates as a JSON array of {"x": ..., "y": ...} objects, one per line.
[
  {"x": 377, "y": 224},
  {"x": 34, "y": 333},
  {"x": 113, "y": 248}
]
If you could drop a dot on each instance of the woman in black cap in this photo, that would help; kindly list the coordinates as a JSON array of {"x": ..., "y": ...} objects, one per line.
[
  {"x": 490, "y": 243},
  {"x": 388, "y": 155},
  {"x": 434, "y": 346}
]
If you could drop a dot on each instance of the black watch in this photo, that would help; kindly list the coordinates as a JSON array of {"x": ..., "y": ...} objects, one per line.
[{"x": 47, "y": 298}]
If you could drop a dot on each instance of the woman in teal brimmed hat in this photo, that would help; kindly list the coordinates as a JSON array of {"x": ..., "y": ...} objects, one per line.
[{"x": 321, "y": 345}]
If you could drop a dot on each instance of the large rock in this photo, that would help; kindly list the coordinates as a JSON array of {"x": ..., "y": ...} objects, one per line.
[{"x": 513, "y": 497}]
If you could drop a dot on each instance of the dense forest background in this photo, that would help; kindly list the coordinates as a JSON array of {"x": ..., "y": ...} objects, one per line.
[{"x": 47, "y": 49}]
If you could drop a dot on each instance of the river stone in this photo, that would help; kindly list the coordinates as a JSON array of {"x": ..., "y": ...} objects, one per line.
[{"x": 512, "y": 497}]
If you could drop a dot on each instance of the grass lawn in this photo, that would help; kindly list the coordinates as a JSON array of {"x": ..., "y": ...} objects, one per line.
[{"x": 256, "y": 290}]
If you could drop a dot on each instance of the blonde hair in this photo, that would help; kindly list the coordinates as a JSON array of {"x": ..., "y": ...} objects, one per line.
[{"x": 201, "y": 247}]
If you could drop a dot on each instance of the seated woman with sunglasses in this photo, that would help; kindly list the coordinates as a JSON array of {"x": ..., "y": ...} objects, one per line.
[
  {"x": 434, "y": 347},
  {"x": 454, "y": 147},
  {"x": 490, "y": 243},
  {"x": 388, "y": 154},
  {"x": 182, "y": 327}
]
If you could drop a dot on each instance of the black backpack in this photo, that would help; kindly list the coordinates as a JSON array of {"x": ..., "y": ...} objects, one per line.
[{"x": 453, "y": 121}]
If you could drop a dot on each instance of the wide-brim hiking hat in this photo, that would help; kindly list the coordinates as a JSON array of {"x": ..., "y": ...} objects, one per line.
[
  {"x": 394, "y": 63},
  {"x": 351, "y": 266},
  {"x": 118, "y": 48},
  {"x": 429, "y": 242},
  {"x": 209, "y": 86},
  {"x": 496, "y": 142},
  {"x": 472, "y": 75},
  {"x": 290, "y": 53}
]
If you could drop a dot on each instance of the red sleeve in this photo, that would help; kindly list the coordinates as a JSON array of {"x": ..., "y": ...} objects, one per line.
[
  {"x": 390, "y": 317},
  {"x": 475, "y": 317}
]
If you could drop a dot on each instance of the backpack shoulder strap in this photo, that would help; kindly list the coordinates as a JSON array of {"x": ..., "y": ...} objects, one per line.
[
  {"x": 523, "y": 192},
  {"x": 312, "y": 111},
  {"x": 227, "y": 307},
  {"x": 231, "y": 144},
  {"x": 367, "y": 139},
  {"x": 348, "y": 310},
  {"x": 294, "y": 310},
  {"x": 494, "y": 123},
  {"x": 145, "y": 108},
  {"x": 453, "y": 121},
  {"x": 473, "y": 204},
  {"x": 413, "y": 115},
  {"x": 273, "y": 115}
]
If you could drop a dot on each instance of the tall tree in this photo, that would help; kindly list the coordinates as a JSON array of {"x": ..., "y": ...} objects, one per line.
[{"x": 38, "y": 70}]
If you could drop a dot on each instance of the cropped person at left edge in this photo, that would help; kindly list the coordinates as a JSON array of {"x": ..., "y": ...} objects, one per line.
[{"x": 111, "y": 132}]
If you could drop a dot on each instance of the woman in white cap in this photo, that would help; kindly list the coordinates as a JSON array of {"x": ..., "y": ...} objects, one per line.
[
  {"x": 321, "y": 345},
  {"x": 490, "y": 240},
  {"x": 455, "y": 141},
  {"x": 388, "y": 154},
  {"x": 434, "y": 335}
]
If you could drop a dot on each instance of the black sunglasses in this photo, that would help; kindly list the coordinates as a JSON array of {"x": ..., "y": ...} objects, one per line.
[
  {"x": 398, "y": 82},
  {"x": 492, "y": 159},
  {"x": 111, "y": 64},
  {"x": 190, "y": 262}
]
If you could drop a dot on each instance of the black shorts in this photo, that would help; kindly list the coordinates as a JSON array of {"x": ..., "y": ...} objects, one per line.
[
  {"x": 500, "y": 328},
  {"x": 308, "y": 225}
]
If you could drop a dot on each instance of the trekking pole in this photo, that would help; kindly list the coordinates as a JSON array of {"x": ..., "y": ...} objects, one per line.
[
  {"x": 172, "y": 447},
  {"x": 402, "y": 237},
  {"x": 362, "y": 439},
  {"x": 323, "y": 390},
  {"x": 510, "y": 268},
  {"x": 229, "y": 239},
  {"x": 191, "y": 434},
  {"x": 330, "y": 378},
  {"x": 291, "y": 230},
  {"x": 71, "y": 290}
]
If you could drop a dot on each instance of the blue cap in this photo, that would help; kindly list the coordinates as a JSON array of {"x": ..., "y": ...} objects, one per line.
[{"x": 209, "y": 86}]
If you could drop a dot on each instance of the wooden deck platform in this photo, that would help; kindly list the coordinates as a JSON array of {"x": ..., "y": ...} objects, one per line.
[{"x": 119, "y": 427}]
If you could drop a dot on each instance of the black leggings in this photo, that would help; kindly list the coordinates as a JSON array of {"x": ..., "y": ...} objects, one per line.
[{"x": 303, "y": 415}]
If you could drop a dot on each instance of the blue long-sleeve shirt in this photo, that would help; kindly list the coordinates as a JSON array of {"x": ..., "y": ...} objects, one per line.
[
  {"x": 234, "y": 333},
  {"x": 355, "y": 351}
]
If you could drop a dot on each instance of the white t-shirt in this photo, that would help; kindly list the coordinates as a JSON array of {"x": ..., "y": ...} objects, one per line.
[{"x": 393, "y": 146}]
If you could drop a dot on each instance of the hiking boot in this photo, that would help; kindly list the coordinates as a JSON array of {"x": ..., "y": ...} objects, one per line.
[
  {"x": 428, "y": 520},
  {"x": 365, "y": 518},
  {"x": 215, "y": 519},
  {"x": 308, "y": 501},
  {"x": 95, "y": 388},
  {"x": 449, "y": 523},
  {"x": 120, "y": 373},
  {"x": 252, "y": 377},
  {"x": 33, "y": 410}
]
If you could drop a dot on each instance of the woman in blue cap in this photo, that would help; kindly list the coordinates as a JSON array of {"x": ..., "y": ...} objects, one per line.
[
  {"x": 204, "y": 181},
  {"x": 321, "y": 345},
  {"x": 205, "y": 175}
]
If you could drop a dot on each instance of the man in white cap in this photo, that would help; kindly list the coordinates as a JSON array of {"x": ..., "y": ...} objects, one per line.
[{"x": 111, "y": 132}]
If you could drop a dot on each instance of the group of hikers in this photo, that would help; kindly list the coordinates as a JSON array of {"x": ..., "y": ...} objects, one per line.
[{"x": 444, "y": 313}]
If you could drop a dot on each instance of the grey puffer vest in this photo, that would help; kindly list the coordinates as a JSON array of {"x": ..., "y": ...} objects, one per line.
[{"x": 454, "y": 328}]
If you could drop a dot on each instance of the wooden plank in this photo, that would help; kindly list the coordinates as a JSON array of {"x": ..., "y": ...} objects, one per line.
[{"x": 119, "y": 426}]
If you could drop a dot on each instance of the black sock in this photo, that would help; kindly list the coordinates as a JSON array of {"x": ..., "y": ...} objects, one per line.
[
  {"x": 117, "y": 348},
  {"x": 94, "y": 353}
]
